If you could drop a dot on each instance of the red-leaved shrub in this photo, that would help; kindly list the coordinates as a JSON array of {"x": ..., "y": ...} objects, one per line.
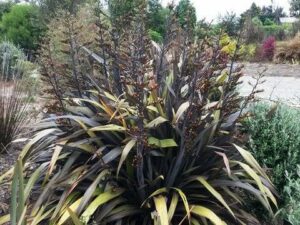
[{"x": 268, "y": 48}]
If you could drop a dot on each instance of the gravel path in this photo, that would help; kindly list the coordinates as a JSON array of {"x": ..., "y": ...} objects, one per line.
[
  {"x": 282, "y": 70},
  {"x": 282, "y": 82}
]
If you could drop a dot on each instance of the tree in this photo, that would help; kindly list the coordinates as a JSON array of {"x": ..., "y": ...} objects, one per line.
[
  {"x": 295, "y": 8},
  {"x": 156, "y": 19},
  {"x": 123, "y": 11},
  {"x": 186, "y": 13},
  {"x": 50, "y": 7},
  {"x": 278, "y": 13},
  {"x": 230, "y": 23},
  {"x": 120, "y": 8},
  {"x": 5, "y": 7},
  {"x": 253, "y": 11},
  {"x": 269, "y": 13},
  {"x": 22, "y": 26},
  {"x": 266, "y": 14}
]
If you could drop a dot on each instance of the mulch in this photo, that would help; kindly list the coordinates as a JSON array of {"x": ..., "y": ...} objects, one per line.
[
  {"x": 10, "y": 156},
  {"x": 7, "y": 160}
]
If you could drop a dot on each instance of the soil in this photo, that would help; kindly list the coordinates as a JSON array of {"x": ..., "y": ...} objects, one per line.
[
  {"x": 7, "y": 160},
  {"x": 9, "y": 156}
]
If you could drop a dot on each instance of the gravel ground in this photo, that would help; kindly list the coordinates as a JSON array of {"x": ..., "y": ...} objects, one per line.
[
  {"x": 273, "y": 70},
  {"x": 281, "y": 82}
]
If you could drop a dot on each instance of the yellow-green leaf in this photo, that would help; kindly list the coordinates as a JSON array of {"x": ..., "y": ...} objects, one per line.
[
  {"x": 251, "y": 161},
  {"x": 216, "y": 194},
  {"x": 265, "y": 191},
  {"x": 161, "y": 208},
  {"x": 109, "y": 127},
  {"x": 207, "y": 213},
  {"x": 100, "y": 200},
  {"x": 55, "y": 155},
  {"x": 110, "y": 96},
  {"x": 74, "y": 217},
  {"x": 66, "y": 214},
  {"x": 180, "y": 111},
  {"x": 221, "y": 79},
  {"x": 125, "y": 153},
  {"x": 152, "y": 108},
  {"x": 4, "y": 219},
  {"x": 185, "y": 202},
  {"x": 173, "y": 206},
  {"x": 154, "y": 123},
  {"x": 165, "y": 143},
  {"x": 157, "y": 192},
  {"x": 256, "y": 178}
]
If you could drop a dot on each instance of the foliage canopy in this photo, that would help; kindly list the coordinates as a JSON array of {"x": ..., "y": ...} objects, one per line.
[{"x": 22, "y": 26}]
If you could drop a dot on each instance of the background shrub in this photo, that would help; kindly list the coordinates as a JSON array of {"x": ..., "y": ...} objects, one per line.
[
  {"x": 275, "y": 140},
  {"x": 19, "y": 81},
  {"x": 244, "y": 52},
  {"x": 291, "y": 210},
  {"x": 268, "y": 48},
  {"x": 12, "y": 60},
  {"x": 288, "y": 51},
  {"x": 247, "y": 52},
  {"x": 23, "y": 26},
  {"x": 228, "y": 44},
  {"x": 5, "y": 7},
  {"x": 155, "y": 36},
  {"x": 280, "y": 32}
]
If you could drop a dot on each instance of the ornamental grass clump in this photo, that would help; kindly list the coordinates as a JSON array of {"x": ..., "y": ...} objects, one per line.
[
  {"x": 13, "y": 111},
  {"x": 150, "y": 142},
  {"x": 13, "y": 94}
]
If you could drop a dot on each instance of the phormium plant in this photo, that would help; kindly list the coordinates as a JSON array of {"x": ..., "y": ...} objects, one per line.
[{"x": 149, "y": 143}]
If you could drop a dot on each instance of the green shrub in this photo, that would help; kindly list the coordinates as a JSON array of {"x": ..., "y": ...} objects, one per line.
[
  {"x": 11, "y": 59},
  {"x": 280, "y": 32},
  {"x": 23, "y": 26},
  {"x": 247, "y": 52},
  {"x": 291, "y": 210},
  {"x": 155, "y": 36},
  {"x": 244, "y": 52},
  {"x": 5, "y": 7},
  {"x": 228, "y": 44},
  {"x": 275, "y": 140},
  {"x": 14, "y": 65}
]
